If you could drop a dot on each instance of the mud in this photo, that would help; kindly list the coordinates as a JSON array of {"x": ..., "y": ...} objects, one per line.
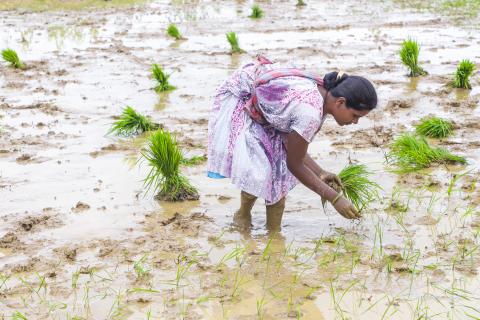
[{"x": 81, "y": 239}]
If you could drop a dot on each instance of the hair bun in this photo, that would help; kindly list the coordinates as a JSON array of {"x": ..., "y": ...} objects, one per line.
[{"x": 333, "y": 79}]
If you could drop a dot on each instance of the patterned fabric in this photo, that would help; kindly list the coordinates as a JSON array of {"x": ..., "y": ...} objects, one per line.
[
  {"x": 251, "y": 106},
  {"x": 252, "y": 152}
]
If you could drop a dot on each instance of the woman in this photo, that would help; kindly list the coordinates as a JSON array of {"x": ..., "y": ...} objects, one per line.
[{"x": 262, "y": 121}]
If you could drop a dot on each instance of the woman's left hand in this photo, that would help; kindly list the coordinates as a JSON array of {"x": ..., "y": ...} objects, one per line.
[{"x": 332, "y": 180}]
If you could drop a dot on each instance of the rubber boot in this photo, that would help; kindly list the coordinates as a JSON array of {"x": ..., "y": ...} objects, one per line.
[
  {"x": 274, "y": 215},
  {"x": 243, "y": 217}
]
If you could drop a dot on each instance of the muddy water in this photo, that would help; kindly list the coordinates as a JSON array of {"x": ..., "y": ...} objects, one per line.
[{"x": 80, "y": 238}]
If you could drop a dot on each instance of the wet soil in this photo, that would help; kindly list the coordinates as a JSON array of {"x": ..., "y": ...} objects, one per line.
[{"x": 80, "y": 239}]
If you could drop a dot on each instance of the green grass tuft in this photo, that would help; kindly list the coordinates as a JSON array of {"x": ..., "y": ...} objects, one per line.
[
  {"x": 193, "y": 161},
  {"x": 357, "y": 187},
  {"x": 464, "y": 70},
  {"x": 257, "y": 12},
  {"x": 173, "y": 32},
  {"x": 409, "y": 56},
  {"x": 11, "y": 56},
  {"x": 411, "y": 153},
  {"x": 162, "y": 79},
  {"x": 233, "y": 40},
  {"x": 131, "y": 122},
  {"x": 435, "y": 127},
  {"x": 164, "y": 157},
  {"x": 300, "y": 3}
]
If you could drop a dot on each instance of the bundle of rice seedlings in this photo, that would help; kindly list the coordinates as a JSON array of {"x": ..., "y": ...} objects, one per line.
[
  {"x": 409, "y": 56},
  {"x": 164, "y": 157},
  {"x": 11, "y": 56},
  {"x": 464, "y": 70},
  {"x": 162, "y": 79},
  {"x": 411, "y": 153},
  {"x": 357, "y": 187},
  {"x": 257, "y": 12},
  {"x": 173, "y": 32},
  {"x": 300, "y": 3},
  {"x": 435, "y": 127},
  {"x": 233, "y": 40},
  {"x": 131, "y": 122}
]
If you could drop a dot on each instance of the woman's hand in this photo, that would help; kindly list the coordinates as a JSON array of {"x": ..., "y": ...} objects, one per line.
[
  {"x": 332, "y": 180},
  {"x": 346, "y": 208}
]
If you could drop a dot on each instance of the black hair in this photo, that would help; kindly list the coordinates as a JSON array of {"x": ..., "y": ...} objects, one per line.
[{"x": 358, "y": 91}]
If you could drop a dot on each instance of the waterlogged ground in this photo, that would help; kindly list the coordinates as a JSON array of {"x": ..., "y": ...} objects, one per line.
[{"x": 80, "y": 240}]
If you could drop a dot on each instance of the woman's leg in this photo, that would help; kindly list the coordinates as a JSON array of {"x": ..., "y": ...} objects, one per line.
[
  {"x": 274, "y": 215},
  {"x": 243, "y": 216}
]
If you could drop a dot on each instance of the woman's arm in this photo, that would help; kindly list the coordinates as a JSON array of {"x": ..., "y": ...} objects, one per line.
[
  {"x": 312, "y": 165},
  {"x": 300, "y": 165},
  {"x": 297, "y": 159},
  {"x": 329, "y": 178}
]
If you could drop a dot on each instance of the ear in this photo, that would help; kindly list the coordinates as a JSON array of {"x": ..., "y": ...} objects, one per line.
[{"x": 341, "y": 101}]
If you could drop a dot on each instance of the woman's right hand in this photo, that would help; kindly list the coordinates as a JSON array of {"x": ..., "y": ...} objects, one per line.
[{"x": 346, "y": 208}]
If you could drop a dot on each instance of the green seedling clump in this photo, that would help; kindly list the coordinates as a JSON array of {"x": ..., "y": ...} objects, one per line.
[
  {"x": 131, "y": 122},
  {"x": 193, "y": 161},
  {"x": 162, "y": 79},
  {"x": 11, "y": 56},
  {"x": 233, "y": 40},
  {"x": 409, "y": 55},
  {"x": 173, "y": 32},
  {"x": 300, "y": 3},
  {"x": 462, "y": 76},
  {"x": 435, "y": 127},
  {"x": 411, "y": 153},
  {"x": 164, "y": 157},
  {"x": 357, "y": 187},
  {"x": 257, "y": 12}
]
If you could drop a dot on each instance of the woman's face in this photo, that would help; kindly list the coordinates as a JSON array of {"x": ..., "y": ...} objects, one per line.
[{"x": 345, "y": 115}]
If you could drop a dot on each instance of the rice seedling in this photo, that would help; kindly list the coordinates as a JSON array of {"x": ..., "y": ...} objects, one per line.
[
  {"x": 173, "y": 32},
  {"x": 131, "y": 122},
  {"x": 86, "y": 297},
  {"x": 409, "y": 56},
  {"x": 42, "y": 285},
  {"x": 435, "y": 127},
  {"x": 411, "y": 153},
  {"x": 140, "y": 267},
  {"x": 396, "y": 203},
  {"x": 17, "y": 315},
  {"x": 162, "y": 79},
  {"x": 260, "y": 308},
  {"x": 164, "y": 157},
  {"x": 193, "y": 161},
  {"x": 257, "y": 12},
  {"x": 389, "y": 264},
  {"x": 301, "y": 3},
  {"x": 238, "y": 281},
  {"x": 433, "y": 199},
  {"x": 11, "y": 56},
  {"x": 233, "y": 40},
  {"x": 462, "y": 75},
  {"x": 75, "y": 277},
  {"x": 238, "y": 254},
  {"x": 378, "y": 239},
  {"x": 337, "y": 298},
  {"x": 266, "y": 254},
  {"x": 3, "y": 280},
  {"x": 357, "y": 187},
  {"x": 183, "y": 266}
]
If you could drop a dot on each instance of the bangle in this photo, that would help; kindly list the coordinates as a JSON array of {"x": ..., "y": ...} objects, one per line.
[{"x": 338, "y": 196}]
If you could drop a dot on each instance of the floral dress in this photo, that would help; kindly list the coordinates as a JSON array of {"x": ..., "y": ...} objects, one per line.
[{"x": 253, "y": 154}]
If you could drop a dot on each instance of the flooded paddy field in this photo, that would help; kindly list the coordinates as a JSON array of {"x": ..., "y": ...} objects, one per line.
[{"x": 80, "y": 238}]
